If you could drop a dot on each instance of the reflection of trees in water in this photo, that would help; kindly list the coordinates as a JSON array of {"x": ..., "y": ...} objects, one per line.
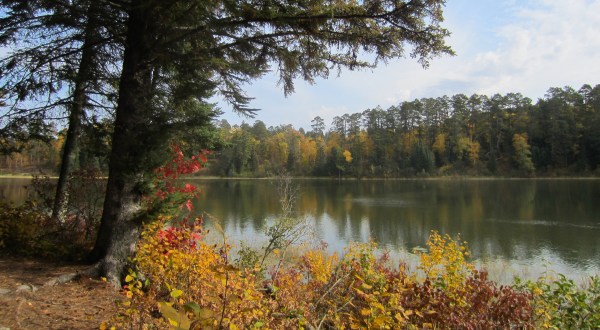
[
  {"x": 497, "y": 217},
  {"x": 13, "y": 190},
  {"x": 508, "y": 218},
  {"x": 237, "y": 204}
]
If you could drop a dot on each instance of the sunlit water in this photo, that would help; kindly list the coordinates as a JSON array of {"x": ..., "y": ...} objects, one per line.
[{"x": 523, "y": 228}]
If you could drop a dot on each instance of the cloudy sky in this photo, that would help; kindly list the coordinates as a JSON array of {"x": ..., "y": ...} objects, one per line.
[{"x": 502, "y": 46}]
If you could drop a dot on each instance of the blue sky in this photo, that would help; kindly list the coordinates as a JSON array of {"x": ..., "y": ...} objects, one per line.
[{"x": 502, "y": 46}]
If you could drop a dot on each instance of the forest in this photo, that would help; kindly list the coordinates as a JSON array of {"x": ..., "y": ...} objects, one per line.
[
  {"x": 477, "y": 135},
  {"x": 507, "y": 135}
]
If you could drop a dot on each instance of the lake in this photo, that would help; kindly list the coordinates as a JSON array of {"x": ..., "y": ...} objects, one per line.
[{"x": 521, "y": 227}]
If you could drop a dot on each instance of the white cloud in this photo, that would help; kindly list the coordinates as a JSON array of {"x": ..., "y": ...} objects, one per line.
[
  {"x": 502, "y": 46},
  {"x": 551, "y": 43}
]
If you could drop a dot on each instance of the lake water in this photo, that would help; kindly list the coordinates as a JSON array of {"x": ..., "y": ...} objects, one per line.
[{"x": 513, "y": 227}]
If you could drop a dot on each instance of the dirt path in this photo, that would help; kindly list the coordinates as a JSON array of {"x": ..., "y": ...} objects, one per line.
[{"x": 28, "y": 299}]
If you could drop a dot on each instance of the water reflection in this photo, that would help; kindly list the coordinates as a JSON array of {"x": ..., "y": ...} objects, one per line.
[
  {"x": 551, "y": 224},
  {"x": 14, "y": 190}
]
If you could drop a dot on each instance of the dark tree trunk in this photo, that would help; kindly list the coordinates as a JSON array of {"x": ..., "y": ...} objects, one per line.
[
  {"x": 123, "y": 215},
  {"x": 71, "y": 147}
]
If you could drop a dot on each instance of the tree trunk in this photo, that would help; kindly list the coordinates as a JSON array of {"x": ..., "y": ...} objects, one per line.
[
  {"x": 71, "y": 146},
  {"x": 122, "y": 214}
]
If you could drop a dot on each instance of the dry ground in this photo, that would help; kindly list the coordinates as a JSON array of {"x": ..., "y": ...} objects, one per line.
[{"x": 29, "y": 301}]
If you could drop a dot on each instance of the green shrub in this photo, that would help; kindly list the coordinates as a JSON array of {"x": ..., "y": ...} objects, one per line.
[{"x": 562, "y": 304}]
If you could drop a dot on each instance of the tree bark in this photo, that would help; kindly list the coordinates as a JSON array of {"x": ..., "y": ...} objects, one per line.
[
  {"x": 123, "y": 215},
  {"x": 71, "y": 146}
]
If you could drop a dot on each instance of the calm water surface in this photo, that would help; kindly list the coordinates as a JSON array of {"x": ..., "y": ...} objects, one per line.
[{"x": 513, "y": 227}]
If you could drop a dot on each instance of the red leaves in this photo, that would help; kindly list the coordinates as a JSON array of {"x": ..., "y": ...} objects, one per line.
[
  {"x": 168, "y": 174},
  {"x": 176, "y": 238},
  {"x": 180, "y": 166},
  {"x": 188, "y": 205},
  {"x": 485, "y": 305},
  {"x": 188, "y": 188}
]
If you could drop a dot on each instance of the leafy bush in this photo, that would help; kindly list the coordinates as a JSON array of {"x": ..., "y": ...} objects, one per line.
[
  {"x": 182, "y": 282},
  {"x": 29, "y": 231},
  {"x": 562, "y": 304}
]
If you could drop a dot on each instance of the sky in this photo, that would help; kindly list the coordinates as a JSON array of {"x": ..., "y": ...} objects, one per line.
[{"x": 501, "y": 46}]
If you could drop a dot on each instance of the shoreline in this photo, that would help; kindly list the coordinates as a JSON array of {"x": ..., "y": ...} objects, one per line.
[{"x": 429, "y": 178}]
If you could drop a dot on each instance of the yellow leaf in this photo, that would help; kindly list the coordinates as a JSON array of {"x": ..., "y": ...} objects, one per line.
[
  {"x": 359, "y": 291},
  {"x": 379, "y": 306},
  {"x": 205, "y": 313},
  {"x": 176, "y": 293},
  {"x": 174, "y": 317},
  {"x": 365, "y": 312},
  {"x": 128, "y": 278},
  {"x": 234, "y": 299},
  {"x": 380, "y": 321}
]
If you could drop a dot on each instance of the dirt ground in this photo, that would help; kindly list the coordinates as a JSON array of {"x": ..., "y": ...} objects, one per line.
[{"x": 30, "y": 298}]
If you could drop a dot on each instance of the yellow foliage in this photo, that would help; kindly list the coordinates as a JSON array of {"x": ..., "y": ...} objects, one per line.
[
  {"x": 192, "y": 285},
  {"x": 439, "y": 145},
  {"x": 182, "y": 269},
  {"x": 319, "y": 265},
  {"x": 308, "y": 151},
  {"x": 445, "y": 262},
  {"x": 467, "y": 149},
  {"x": 408, "y": 140},
  {"x": 347, "y": 156},
  {"x": 334, "y": 141}
]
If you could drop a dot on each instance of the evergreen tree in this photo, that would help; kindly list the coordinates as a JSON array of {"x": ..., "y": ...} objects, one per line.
[{"x": 177, "y": 53}]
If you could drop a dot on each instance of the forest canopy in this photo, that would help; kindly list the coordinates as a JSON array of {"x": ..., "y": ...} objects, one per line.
[{"x": 507, "y": 135}]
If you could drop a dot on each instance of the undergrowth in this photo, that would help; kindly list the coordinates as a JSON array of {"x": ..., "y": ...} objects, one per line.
[
  {"x": 180, "y": 282},
  {"x": 29, "y": 229}
]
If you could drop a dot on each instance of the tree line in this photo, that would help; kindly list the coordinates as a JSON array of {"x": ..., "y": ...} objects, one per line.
[
  {"x": 34, "y": 156},
  {"x": 507, "y": 135}
]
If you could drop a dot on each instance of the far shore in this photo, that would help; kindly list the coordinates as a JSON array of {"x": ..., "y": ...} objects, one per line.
[
  {"x": 22, "y": 176},
  {"x": 454, "y": 177}
]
